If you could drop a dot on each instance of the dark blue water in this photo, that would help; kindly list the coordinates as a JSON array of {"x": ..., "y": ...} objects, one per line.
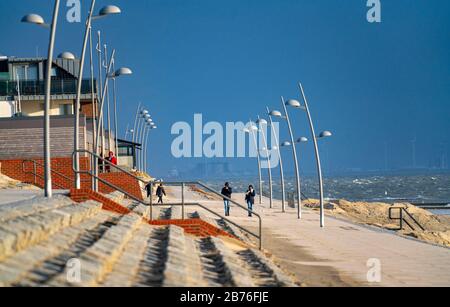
[{"x": 419, "y": 189}]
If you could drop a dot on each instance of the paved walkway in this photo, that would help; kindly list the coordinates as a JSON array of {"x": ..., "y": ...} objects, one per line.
[{"x": 338, "y": 255}]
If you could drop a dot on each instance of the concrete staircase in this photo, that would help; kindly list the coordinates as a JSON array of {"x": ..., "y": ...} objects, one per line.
[{"x": 41, "y": 241}]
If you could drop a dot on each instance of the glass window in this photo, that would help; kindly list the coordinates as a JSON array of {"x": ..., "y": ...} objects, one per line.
[
  {"x": 19, "y": 72},
  {"x": 32, "y": 72},
  {"x": 65, "y": 109}
]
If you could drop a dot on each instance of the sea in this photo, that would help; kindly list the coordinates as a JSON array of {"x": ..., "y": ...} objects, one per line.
[{"x": 429, "y": 191}]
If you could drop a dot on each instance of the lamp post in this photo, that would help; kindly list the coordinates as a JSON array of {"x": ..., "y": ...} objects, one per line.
[
  {"x": 283, "y": 187},
  {"x": 108, "y": 10},
  {"x": 138, "y": 132},
  {"x": 146, "y": 118},
  {"x": 116, "y": 140},
  {"x": 324, "y": 134},
  {"x": 120, "y": 72},
  {"x": 108, "y": 104},
  {"x": 36, "y": 19},
  {"x": 251, "y": 130},
  {"x": 150, "y": 126},
  {"x": 295, "y": 104},
  {"x": 261, "y": 123},
  {"x": 136, "y": 122}
]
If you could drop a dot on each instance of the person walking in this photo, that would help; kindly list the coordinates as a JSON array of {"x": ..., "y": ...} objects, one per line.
[
  {"x": 250, "y": 199},
  {"x": 148, "y": 188},
  {"x": 112, "y": 159},
  {"x": 227, "y": 191},
  {"x": 160, "y": 192}
]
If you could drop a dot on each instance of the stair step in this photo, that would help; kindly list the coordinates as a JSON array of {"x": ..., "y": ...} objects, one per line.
[
  {"x": 100, "y": 258},
  {"x": 241, "y": 277},
  {"x": 16, "y": 268},
  {"x": 183, "y": 266},
  {"x": 127, "y": 267},
  {"x": 22, "y": 232},
  {"x": 32, "y": 206}
]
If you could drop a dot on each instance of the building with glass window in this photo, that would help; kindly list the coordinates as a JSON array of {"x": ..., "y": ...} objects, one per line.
[
  {"x": 22, "y": 97},
  {"x": 22, "y": 87}
]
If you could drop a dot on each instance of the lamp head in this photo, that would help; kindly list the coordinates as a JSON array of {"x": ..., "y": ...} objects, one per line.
[
  {"x": 293, "y": 103},
  {"x": 124, "y": 71},
  {"x": 109, "y": 10},
  {"x": 275, "y": 114},
  {"x": 67, "y": 56},
  {"x": 261, "y": 122},
  {"x": 325, "y": 134},
  {"x": 286, "y": 144},
  {"x": 33, "y": 18},
  {"x": 302, "y": 140}
]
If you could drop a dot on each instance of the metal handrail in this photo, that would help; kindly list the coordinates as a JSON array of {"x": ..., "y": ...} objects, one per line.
[
  {"x": 402, "y": 219},
  {"x": 204, "y": 186},
  {"x": 36, "y": 175},
  {"x": 182, "y": 184}
]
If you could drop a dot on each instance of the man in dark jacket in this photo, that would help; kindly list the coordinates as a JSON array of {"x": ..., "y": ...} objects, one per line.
[
  {"x": 160, "y": 192},
  {"x": 227, "y": 192},
  {"x": 250, "y": 199}
]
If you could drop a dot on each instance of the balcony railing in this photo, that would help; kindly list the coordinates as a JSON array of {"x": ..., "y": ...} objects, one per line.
[{"x": 33, "y": 88}]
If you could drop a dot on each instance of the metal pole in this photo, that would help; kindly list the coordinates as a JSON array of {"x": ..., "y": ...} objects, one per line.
[
  {"x": 116, "y": 129},
  {"x": 145, "y": 148},
  {"x": 141, "y": 164},
  {"x": 146, "y": 130},
  {"x": 100, "y": 118},
  {"x": 316, "y": 149},
  {"x": 283, "y": 188},
  {"x": 265, "y": 143},
  {"x": 48, "y": 81},
  {"x": 94, "y": 108},
  {"x": 294, "y": 151},
  {"x": 259, "y": 163},
  {"x": 182, "y": 200},
  {"x": 102, "y": 102},
  {"x": 151, "y": 201},
  {"x": 138, "y": 133},
  {"x": 127, "y": 131},
  {"x": 78, "y": 100},
  {"x": 108, "y": 104},
  {"x": 136, "y": 122}
]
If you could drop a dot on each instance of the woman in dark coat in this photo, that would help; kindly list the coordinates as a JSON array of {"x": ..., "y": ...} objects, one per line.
[{"x": 250, "y": 199}]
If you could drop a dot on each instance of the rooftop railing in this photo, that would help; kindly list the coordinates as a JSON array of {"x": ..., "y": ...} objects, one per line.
[{"x": 36, "y": 88}]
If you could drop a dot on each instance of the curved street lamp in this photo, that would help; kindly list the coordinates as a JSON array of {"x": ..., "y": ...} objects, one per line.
[
  {"x": 145, "y": 117},
  {"x": 324, "y": 134},
  {"x": 38, "y": 20},
  {"x": 294, "y": 104},
  {"x": 262, "y": 122},
  {"x": 117, "y": 73},
  {"x": 277, "y": 147},
  {"x": 251, "y": 131},
  {"x": 151, "y": 126},
  {"x": 108, "y": 10}
]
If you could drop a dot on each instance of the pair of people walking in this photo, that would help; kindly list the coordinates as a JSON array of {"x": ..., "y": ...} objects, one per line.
[
  {"x": 160, "y": 192},
  {"x": 250, "y": 195}
]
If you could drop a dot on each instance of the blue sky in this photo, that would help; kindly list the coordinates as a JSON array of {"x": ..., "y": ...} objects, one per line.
[{"x": 371, "y": 84}]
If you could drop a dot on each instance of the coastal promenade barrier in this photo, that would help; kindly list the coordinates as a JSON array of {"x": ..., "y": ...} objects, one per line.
[
  {"x": 151, "y": 204},
  {"x": 402, "y": 214}
]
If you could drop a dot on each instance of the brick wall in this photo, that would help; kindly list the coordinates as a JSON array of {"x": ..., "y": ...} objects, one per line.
[
  {"x": 15, "y": 170},
  {"x": 23, "y": 138}
]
